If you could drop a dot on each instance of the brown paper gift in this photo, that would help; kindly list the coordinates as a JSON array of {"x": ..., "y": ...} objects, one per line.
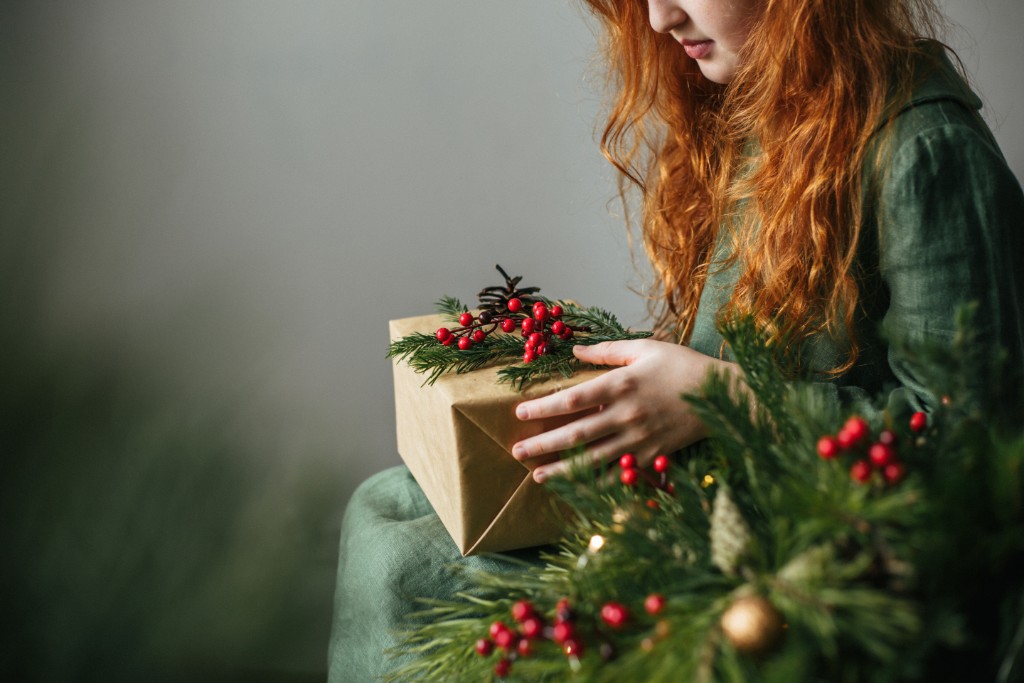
[{"x": 456, "y": 437}]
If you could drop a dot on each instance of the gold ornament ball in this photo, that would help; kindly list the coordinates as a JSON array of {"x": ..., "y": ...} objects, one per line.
[{"x": 752, "y": 625}]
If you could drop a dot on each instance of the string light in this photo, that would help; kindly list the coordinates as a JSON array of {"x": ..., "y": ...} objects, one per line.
[
  {"x": 707, "y": 481},
  {"x": 596, "y": 543}
]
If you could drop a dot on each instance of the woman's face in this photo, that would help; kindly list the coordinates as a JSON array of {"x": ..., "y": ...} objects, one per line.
[{"x": 712, "y": 32}]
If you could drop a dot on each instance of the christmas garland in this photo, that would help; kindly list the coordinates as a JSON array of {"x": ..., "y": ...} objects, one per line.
[
  {"x": 512, "y": 323},
  {"x": 800, "y": 543}
]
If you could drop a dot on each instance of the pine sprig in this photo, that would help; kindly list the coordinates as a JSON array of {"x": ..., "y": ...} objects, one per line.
[
  {"x": 427, "y": 354},
  {"x": 424, "y": 355},
  {"x": 450, "y": 308},
  {"x": 561, "y": 360}
]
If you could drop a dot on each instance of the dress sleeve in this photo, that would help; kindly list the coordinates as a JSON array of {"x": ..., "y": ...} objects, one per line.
[{"x": 949, "y": 234}]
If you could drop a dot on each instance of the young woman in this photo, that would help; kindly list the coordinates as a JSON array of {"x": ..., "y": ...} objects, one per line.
[{"x": 815, "y": 164}]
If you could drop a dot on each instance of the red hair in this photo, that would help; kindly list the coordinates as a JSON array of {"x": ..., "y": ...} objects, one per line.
[{"x": 781, "y": 147}]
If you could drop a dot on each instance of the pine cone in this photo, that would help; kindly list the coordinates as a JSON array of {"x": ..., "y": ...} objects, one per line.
[{"x": 730, "y": 535}]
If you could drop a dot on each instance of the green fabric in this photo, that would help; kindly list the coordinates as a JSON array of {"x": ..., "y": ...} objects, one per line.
[
  {"x": 942, "y": 224},
  {"x": 941, "y": 227},
  {"x": 394, "y": 549}
]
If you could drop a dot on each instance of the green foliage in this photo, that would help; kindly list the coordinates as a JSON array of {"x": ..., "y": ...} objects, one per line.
[
  {"x": 426, "y": 355},
  {"x": 914, "y": 580}
]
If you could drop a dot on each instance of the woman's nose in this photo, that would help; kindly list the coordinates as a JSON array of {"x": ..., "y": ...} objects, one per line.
[{"x": 665, "y": 15}]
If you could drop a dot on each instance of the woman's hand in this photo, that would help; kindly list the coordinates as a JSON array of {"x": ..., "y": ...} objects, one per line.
[{"x": 639, "y": 408}]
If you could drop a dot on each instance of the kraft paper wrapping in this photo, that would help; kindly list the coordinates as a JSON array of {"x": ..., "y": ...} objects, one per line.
[{"x": 456, "y": 437}]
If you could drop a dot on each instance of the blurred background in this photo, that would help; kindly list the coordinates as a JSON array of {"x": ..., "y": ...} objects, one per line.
[{"x": 210, "y": 210}]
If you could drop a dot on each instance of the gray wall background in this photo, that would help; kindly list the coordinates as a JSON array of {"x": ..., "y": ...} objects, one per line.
[{"x": 210, "y": 211}]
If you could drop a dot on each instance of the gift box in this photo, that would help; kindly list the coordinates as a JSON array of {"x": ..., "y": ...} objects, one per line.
[{"x": 456, "y": 437}]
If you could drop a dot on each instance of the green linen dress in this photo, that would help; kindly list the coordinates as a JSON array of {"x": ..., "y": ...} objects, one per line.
[{"x": 943, "y": 228}]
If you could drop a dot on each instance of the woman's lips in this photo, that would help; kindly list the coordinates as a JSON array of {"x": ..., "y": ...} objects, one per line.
[{"x": 697, "y": 49}]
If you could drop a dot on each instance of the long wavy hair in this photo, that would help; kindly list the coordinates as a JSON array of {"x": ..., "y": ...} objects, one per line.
[{"x": 781, "y": 147}]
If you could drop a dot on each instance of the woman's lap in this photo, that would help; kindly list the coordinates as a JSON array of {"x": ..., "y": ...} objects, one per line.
[{"x": 393, "y": 550}]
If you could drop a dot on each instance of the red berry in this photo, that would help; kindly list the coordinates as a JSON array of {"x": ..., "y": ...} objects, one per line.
[
  {"x": 503, "y": 666},
  {"x": 653, "y": 504},
  {"x": 654, "y": 603},
  {"x": 627, "y": 461},
  {"x": 465, "y": 343},
  {"x": 881, "y": 454},
  {"x": 496, "y": 628},
  {"x": 888, "y": 437},
  {"x": 861, "y": 471},
  {"x": 845, "y": 439},
  {"x": 614, "y": 614},
  {"x": 466, "y": 319},
  {"x": 535, "y": 339},
  {"x": 628, "y": 477},
  {"x": 556, "y": 311},
  {"x": 573, "y": 648},
  {"x": 515, "y": 305},
  {"x": 540, "y": 311},
  {"x": 484, "y": 647},
  {"x": 506, "y": 639},
  {"x": 508, "y": 324},
  {"x": 661, "y": 463},
  {"x": 828, "y": 447},
  {"x": 532, "y": 627},
  {"x": 522, "y": 609},
  {"x": 558, "y": 327},
  {"x": 529, "y": 355},
  {"x": 542, "y": 349},
  {"x": 528, "y": 324},
  {"x": 893, "y": 472},
  {"x": 918, "y": 422},
  {"x": 857, "y": 428},
  {"x": 442, "y": 334},
  {"x": 479, "y": 335},
  {"x": 562, "y": 632},
  {"x": 524, "y": 648},
  {"x": 567, "y": 335}
]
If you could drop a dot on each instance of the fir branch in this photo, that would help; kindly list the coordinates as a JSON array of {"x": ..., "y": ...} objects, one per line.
[
  {"x": 561, "y": 361},
  {"x": 426, "y": 355},
  {"x": 450, "y": 308}
]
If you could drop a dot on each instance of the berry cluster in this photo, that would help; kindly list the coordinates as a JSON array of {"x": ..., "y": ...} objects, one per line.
[
  {"x": 538, "y": 328},
  {"x": 631, "y": 474},
  {"x": 871, "y": 455},
  {"x": 519, "y": 640}
]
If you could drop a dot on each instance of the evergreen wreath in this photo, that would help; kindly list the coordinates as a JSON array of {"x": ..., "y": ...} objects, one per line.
[{"x": 799, "y": 543}]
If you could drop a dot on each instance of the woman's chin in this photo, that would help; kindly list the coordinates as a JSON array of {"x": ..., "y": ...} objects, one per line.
[{"x": 717, "y": 72}]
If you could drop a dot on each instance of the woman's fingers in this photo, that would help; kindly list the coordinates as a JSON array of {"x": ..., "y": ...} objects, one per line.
[
  {"x": 586, "y": 396},
  {"x": 605, "y": 450},
  {"x": 636, "y": 407},
  {"x": 562, "y": 467},
  {"x": 577, "y": 433},
  {"x": 610, "y": 352},
  {"x": 589, "y": 395}
]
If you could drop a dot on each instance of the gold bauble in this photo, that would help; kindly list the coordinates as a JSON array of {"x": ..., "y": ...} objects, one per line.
[{"x": 752, "y": 625}]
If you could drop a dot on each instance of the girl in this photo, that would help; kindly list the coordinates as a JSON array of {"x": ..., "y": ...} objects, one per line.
[{"x": 816, "y": 164}]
